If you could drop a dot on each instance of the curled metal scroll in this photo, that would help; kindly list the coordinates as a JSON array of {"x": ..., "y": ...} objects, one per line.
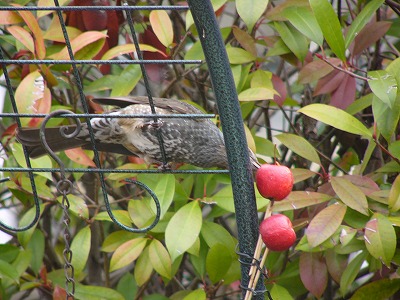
[
  {"x": 9, "y": 229},
  {"x": 156, "y": 202},
  {"x": 65, "y": 186},
  {"x": 42, "y": 134}
]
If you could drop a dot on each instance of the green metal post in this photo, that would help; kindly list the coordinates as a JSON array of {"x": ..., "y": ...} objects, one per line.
[{"x": 233, "y": 130}]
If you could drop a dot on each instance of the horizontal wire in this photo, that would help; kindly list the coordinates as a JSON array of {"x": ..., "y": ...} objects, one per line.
[
  {"x": 100, "y": 7},
  {"x": 119, "y": 171},
  {"x": 138, "y": 116},
  {"x": 99, "y": 61}
]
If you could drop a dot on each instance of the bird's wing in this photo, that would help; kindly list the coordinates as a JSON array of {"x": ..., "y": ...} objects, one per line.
[{"x": 171, "y": 105}]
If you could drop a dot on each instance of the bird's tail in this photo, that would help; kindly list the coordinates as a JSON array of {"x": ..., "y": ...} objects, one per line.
[
  {"x": 253, "y": 160},
  {"x": 30, "y": 138}
]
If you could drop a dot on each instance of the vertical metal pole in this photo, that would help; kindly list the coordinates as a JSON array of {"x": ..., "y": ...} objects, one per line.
[{"x": 234, "y": 135}]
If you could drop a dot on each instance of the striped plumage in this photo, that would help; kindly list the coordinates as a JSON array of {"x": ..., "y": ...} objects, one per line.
[{"x": 194, "y": 141}]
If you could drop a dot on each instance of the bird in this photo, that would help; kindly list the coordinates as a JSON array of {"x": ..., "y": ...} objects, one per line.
[{"x": 195, "y": 141}]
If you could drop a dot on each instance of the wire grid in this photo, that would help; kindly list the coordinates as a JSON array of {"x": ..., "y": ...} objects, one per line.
[{"x": 86, "y": 115}]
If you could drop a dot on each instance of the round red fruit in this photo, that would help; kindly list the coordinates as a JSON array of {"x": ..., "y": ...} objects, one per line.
[
  {"x": 277, "y": 233},
  {"x": 274, "y": 181}
]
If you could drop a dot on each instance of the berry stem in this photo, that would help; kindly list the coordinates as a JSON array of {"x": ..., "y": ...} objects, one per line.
[{"x": 254, "y": 272}]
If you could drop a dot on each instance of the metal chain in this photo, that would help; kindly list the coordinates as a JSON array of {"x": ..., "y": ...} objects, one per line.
[{"x": 64, "y": 187}]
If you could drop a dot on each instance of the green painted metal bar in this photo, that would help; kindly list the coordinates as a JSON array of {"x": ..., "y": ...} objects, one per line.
[{"x": 233, "y": 130}]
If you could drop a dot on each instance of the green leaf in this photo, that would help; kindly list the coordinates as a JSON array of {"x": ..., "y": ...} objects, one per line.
[
  {"x": 103, "y": 83},
  {"x": 394, "y": 195},
  {"x": 127, "y": 286},
  {"x": 116, "y": 239},
  {"x": 280, "y": 293},
  {"x": 330, "y": 26},
  {"x": 143, "y": 268},
  {"x": 300, "y": 146},
  {"x": 384, "y": 86},
  {"x": 295, "y": 41},
  {"x": 262, "y": 78},
  {"x": 183, "y": 229},
  {"x": 335, "y": 117},
  {"x": 279, "y": 48},
  {"x": 160, "y": 259},
  {"x": 379, "y": 290},
  {"x": 394, "y": 69},
  {"x": 25, "y": 236},
  {"x": 300, "y": 199},
  {"x": 218, "y": 262},
  {"x": 127, "y": 253},
  {"x": 250, "y": 11},
  {"x": 41, "y": 162},
  {"x": 121, "y": 215},
  {"x": 8, "y": 252},
  {"x": 80, "y": 247},
  {"x": 25, "y": 258},
  {"x": 386, "y": 118},
  {"x": 325, "y": 223},
  {"x": 127, "y": 81},
  {"x": 8, "y": 271},
  {"x": 266, "y": 147},
  {"x": 360, "y": 104},
  {"x": 361, "y": 20},
  {"x": 36, "y": 245},
  {"x": 198, "y": 294},
  {"x": 305, "y": 22},
  {"x": 216, "y": 4},
  {"x": 214, "y": 233},
  {"x": 380, "y": 238},
  {"x": 394, "y": 148},
  {"x": 165, "y": 192},
  {"x": 350, "y": 194},
  {"x": 257, "y": 93},
  {"x": 351, "y": 271},
  {"x": 239, "y": 56},
  {"x": 77, "y": 206},
  {"x": 88, "y": 292},
  {"x": 301, "y": 174}
]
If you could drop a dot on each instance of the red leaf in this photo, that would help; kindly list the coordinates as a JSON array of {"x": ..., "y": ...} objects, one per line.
[
  {"x": 280, "y": 87},
  {"x": 10, "y": 130},
  {"x": 79, "y": 156},
  {"x": 313, "y": 273},
  {"x": 23, "y": 37},
  {"x": 316, "y": 70},
  {"x": 329, "y": 83},
  {"x": 59, "y": 293},
  {"x": 364, "y": 183},
  {"x": 368, "y": 36},
  {"x": 345, "y": 94},
  {"x": 9, "y": 17},
  {"x": 336, "y": 264},
  {"x": 30, "y": 20}
]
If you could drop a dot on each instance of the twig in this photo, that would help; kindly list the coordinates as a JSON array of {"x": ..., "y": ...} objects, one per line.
[{"x": 341, "y": 69}]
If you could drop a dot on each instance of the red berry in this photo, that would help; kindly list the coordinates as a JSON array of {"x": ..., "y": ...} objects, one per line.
[
  {"x": 277, "y": 233},
  {"x": 274, "y": 181}
]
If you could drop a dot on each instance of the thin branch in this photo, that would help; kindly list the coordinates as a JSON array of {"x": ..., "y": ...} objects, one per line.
[{"x": 341, "y": 69}]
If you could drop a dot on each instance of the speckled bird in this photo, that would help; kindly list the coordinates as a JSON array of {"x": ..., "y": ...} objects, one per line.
[{"x": 196, "y": 141}]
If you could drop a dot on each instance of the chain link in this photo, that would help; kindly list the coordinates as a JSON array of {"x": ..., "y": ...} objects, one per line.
[{"x": 64, "y": 187}]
